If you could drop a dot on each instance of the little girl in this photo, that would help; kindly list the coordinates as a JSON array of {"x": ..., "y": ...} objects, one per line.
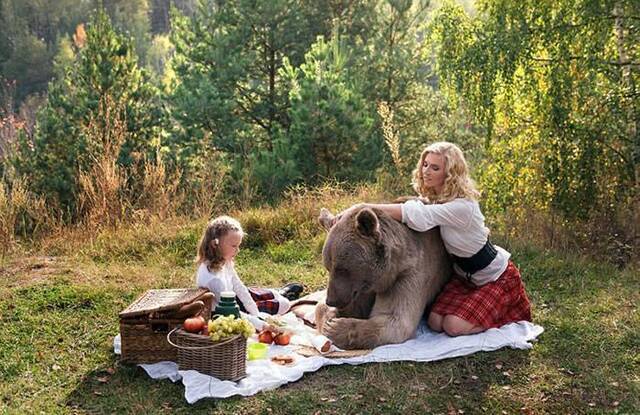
[{"x": 219, "y": 245}]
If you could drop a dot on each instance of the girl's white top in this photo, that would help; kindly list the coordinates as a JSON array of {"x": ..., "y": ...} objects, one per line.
[
  {"x": 462, "y": 229},
  {"x": 226, "y": 279}
]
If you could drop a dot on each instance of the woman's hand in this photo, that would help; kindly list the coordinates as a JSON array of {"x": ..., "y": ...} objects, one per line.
[
  {"x": 350, "y": 210},
  {"x": 327, "y": 219}
]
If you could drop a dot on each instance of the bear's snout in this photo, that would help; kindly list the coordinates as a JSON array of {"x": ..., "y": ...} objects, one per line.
[{"x": 335, "y": 298}]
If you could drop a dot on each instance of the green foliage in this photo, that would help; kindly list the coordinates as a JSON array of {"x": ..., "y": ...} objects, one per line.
[
  {"x": 29, "y": 34},
  {"x": 158, "y": 58},
  {"x": 331, "y": 123},
  {"x": 28, "y": 65},
  {"x": 227, "y": 61},
  {"x": 64, "y": 144},
  {"x": 557, "y": 81},
  {"x": 132, "y": 17}
]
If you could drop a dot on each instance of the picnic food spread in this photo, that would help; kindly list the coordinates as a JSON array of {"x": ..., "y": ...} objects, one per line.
[{"x": 212, "y": 342}]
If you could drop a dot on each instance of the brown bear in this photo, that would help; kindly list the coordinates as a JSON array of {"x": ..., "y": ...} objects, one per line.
[{"x": 382, "y": 276}]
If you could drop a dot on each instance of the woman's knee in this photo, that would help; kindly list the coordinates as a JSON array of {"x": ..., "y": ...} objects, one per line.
[{"x": 455, "y": 326}]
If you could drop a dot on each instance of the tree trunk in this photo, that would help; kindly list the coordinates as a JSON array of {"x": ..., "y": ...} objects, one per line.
[{"x": 632, "y": 112}]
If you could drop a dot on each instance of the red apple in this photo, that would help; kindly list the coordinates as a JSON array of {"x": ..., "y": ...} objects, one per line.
[
  {"x": 194, "y": 324},
  {"x": 282, "y": 339},
  {"x": 265, "y": 336}
]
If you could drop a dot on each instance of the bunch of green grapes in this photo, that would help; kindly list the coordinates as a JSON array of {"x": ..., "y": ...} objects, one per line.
[{"x": 227, "y": 326}]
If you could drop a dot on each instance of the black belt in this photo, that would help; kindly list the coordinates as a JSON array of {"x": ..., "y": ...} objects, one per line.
[{"x": 478, "y": 261}]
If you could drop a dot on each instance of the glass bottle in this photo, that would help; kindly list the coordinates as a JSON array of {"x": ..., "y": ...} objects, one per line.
[{"x": 227, "y": 305}]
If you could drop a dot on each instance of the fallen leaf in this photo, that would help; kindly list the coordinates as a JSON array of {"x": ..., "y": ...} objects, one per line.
[
  {"x": 499, "y": 366},
  {"x": 616, "y": 403},
  {"x": 102, "y": 379},
  {"x": 615, "y": 384},
  {"x": 55, "y": 367},
  {"x": 110, "y": 370},
  {"x": 332, "y": 400},
  {"x": 507, "y": 374},
  {"x": 97, "y": 393},
  {"x": 474, "y": 377},
  {"x": 382, "y": 399},
  {"x": 591, "y": 404}
]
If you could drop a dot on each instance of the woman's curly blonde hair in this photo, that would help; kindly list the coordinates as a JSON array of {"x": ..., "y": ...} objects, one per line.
[
  {"x": 457, "y": 182},
  {"x": 216, "y": 229}
]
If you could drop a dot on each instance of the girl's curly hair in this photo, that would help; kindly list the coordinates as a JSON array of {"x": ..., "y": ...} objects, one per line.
[
  {"x": 457, "y": 181},
  {"x": 217, "y": 228}
]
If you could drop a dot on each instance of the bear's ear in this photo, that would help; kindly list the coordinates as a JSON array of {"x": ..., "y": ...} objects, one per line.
[
  {"x": 368, "y": 225},
  {"x": 326, "y": 219}
]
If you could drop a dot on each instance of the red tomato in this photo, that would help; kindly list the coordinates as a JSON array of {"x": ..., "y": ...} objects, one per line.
[
  {"x": 282, "y": 339},
  {"x": 194, "y": 324},
  {"x": 265, "y": 336}
]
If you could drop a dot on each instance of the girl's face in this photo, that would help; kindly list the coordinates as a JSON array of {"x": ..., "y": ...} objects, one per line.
[
  {"x": 433, "y": 172},
  {"x": 229, "y": 245}
]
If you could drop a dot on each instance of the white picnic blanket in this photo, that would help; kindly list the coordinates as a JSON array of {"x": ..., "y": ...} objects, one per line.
[{"x": 264, "y": 374}]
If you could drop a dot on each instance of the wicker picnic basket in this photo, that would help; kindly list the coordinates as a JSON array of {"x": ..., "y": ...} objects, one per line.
[
  {"x": 145, "y": 323},
  {"x": 225, "y": 359}
]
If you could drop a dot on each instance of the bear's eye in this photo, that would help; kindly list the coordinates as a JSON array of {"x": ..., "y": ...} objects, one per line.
[{"x": 341, "y": 273}]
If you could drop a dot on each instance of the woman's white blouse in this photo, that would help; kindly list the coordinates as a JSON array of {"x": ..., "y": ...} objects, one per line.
[
  {"x": 462, "y": 229},
  {"x": 226, "y": 279}
]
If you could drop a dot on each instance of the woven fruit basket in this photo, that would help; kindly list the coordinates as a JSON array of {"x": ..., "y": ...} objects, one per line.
[
  {"x": 225, "y": 359},
  {"x": 145, "y": 323}
]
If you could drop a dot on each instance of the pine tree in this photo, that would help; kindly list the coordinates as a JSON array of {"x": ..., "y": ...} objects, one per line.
[
  {"x": 331, "y": 122},
  {"x": 105, "y": 66}
]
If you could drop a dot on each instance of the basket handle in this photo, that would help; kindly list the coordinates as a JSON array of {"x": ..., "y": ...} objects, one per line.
[{"x": 197, "y": 348}]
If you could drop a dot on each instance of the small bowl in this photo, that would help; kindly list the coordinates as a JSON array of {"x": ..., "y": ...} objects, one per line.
[{"x": 257, "y": 351}]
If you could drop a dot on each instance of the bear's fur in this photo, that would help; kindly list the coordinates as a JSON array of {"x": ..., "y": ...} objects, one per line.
[{"x": 382, "y": 276}]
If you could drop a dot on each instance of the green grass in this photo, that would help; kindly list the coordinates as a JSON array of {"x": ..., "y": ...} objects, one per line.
[{"x": 59, "y": 316}]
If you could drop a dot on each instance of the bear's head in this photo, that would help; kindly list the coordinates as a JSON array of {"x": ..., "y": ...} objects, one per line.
[{"x": 358, "y": 254}]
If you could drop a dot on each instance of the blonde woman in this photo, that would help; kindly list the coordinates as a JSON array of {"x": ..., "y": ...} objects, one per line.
[{"x": 486, "y": 290}]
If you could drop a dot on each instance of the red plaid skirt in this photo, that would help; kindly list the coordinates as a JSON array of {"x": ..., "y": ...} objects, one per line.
[
  {"x": 491, "y": 305},
  {"x": 265, "y": 300}
]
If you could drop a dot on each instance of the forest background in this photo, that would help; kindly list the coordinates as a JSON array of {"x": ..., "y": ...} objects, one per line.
[{"x": 113, "y": 112}]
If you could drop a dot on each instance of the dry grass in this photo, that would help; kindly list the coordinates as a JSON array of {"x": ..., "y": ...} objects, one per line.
[
  {"x": 606, "y": 237},
  {"x": 102, "y": 187},
  {"x": 21, "y": 212},
  {"x": 391, "y": 137},
  {"x": 160, "y": 197},
  {"x": 205, "y": 196}
]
